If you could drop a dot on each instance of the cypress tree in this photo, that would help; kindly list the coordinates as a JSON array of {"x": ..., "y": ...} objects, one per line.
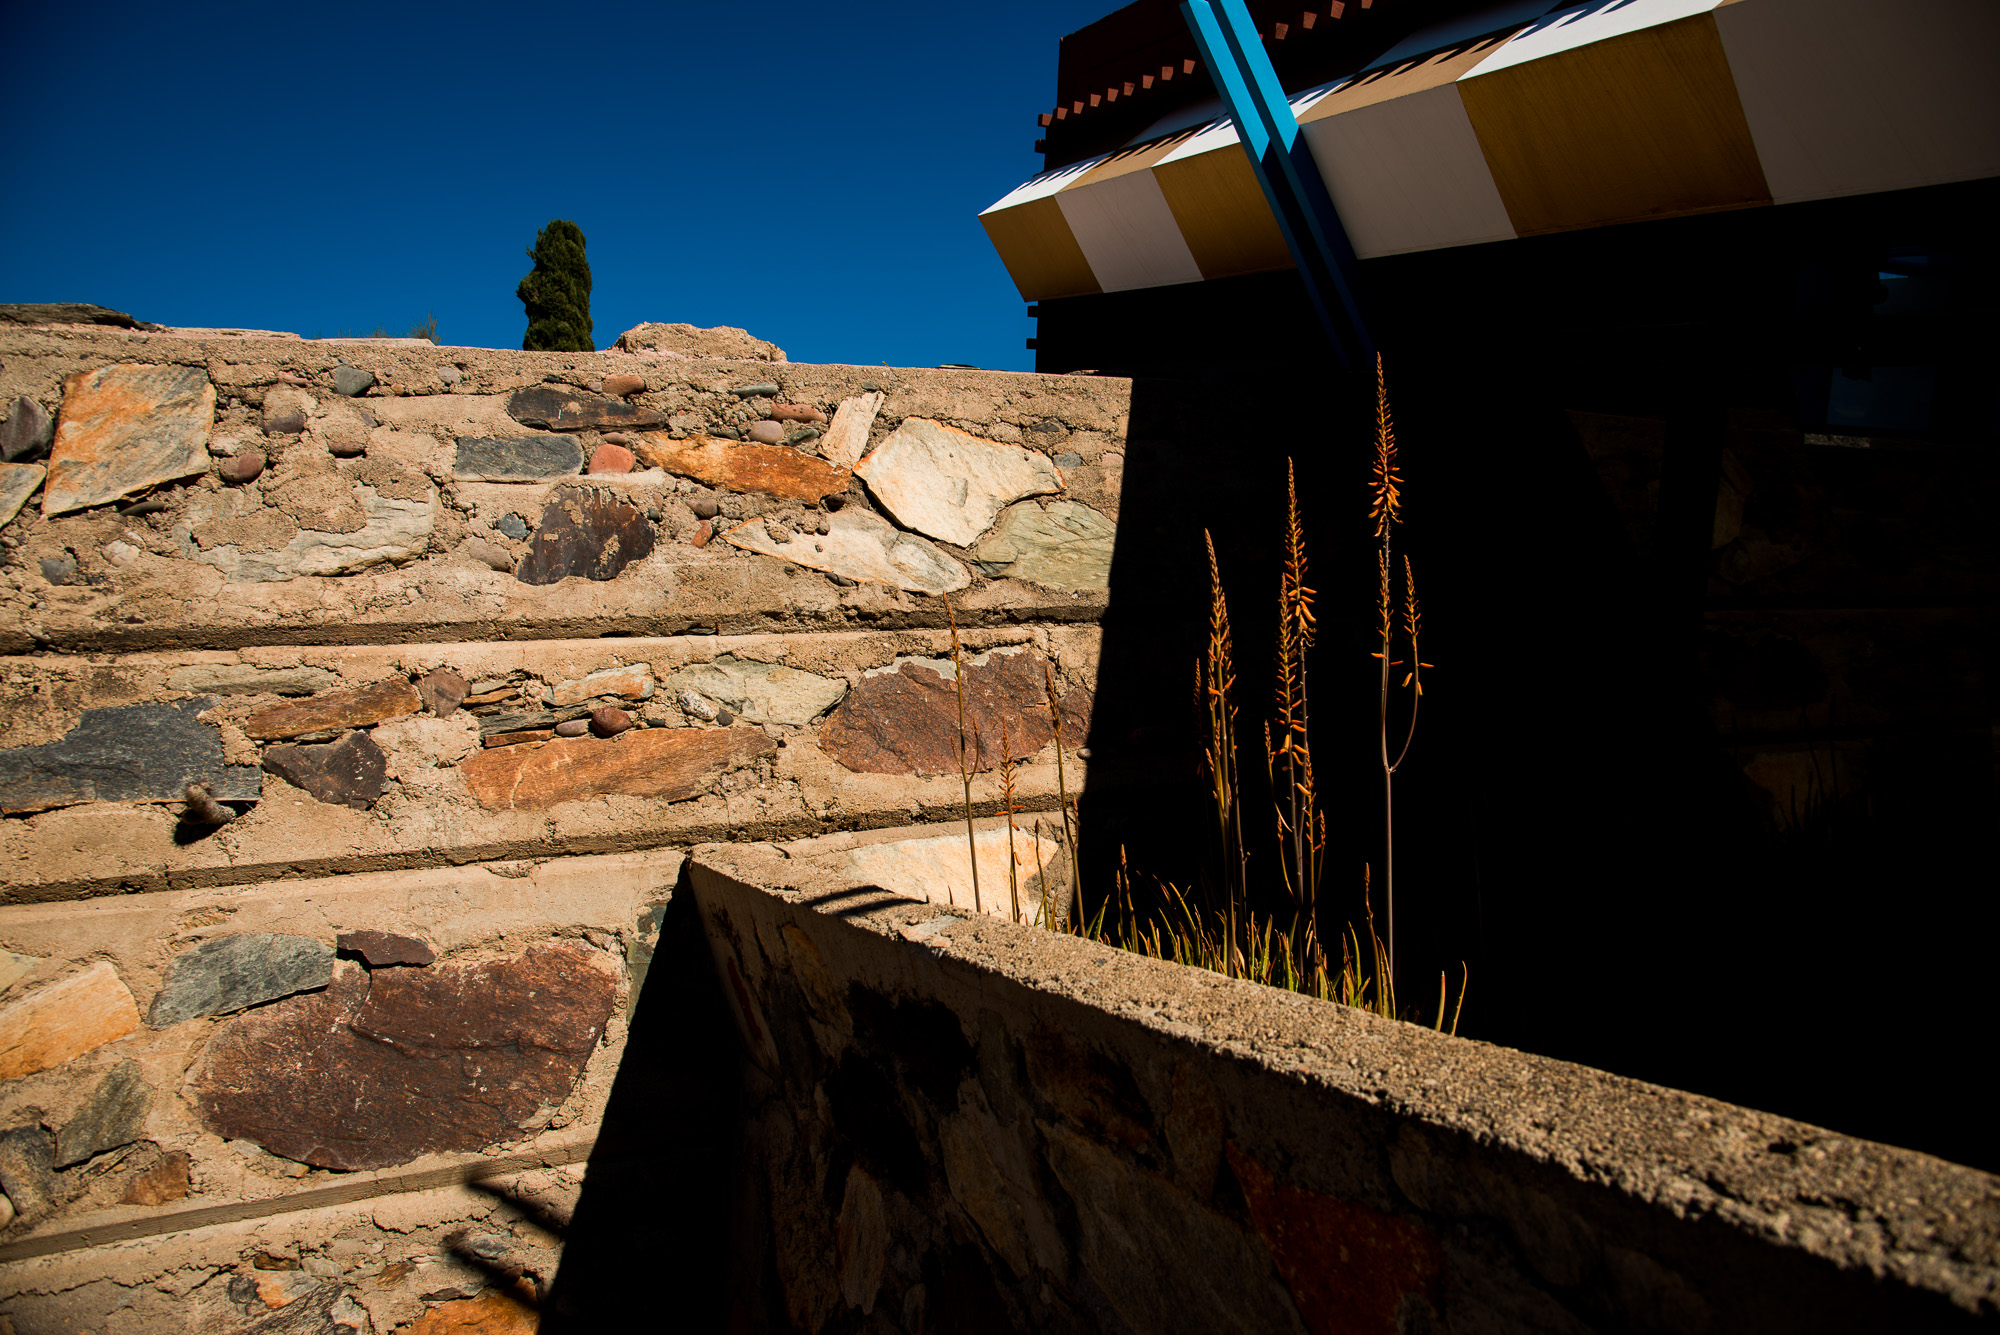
[{"x": 557, "y": 292}]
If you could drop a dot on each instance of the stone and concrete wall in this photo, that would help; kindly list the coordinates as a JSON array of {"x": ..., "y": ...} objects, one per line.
[
  {"x": 959, "y": 1124},
  {"x": 463, "y": 648}
]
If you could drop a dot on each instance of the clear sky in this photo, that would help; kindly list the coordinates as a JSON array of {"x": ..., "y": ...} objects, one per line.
[{"x": 811, "y": 172}]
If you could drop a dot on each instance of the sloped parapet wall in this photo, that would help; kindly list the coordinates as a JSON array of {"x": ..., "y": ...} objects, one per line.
[{"x": 963, "y": 1124}]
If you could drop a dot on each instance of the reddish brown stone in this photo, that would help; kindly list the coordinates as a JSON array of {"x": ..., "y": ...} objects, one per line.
[
  {"x": 588, "y": 532},
  {"x": 243, "y": 466},
  {"x": 766, "y": 468},
  {"x": 491, "y": 1313},
  {"x": 442, "y": 691},
  {"x": 610, "y": 458},
  {"x": 623, "y": 386},
  {"x": 382, "y": 949},
  {"x": 702, "y": 533},
  {"x": 337, "y": 709},
  {"x": 796, "y": 412},
  {"x": 351, "y": 772},
  {"x": 165, "y": 1181},
  {"x": 668, "y": 763},
  {"x": 567, "y": 408},
  {"x": 516, "y": 738},
  {"x": 1349, "y": 1267},
  {"x": 609, "y": 721},
  {"x": 381, "y": 1068},
  {"x": 906, "y": 721}
]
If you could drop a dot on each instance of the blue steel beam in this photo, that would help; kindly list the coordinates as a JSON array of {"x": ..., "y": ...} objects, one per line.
[{"x": 1234, "y": 53}]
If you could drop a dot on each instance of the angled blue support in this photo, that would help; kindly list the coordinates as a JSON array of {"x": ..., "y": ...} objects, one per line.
[{"x": 1285, "y": 170}]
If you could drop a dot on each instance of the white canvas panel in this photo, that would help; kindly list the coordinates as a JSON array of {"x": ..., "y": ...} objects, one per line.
[
  {"x": 1846, "y": 97},
  {"x": 1128, "y": 233},
  {"x": 1044, "y": 185},
  {"x": 1407, "y": 174},
  {"x": 1584, "y": 24}
]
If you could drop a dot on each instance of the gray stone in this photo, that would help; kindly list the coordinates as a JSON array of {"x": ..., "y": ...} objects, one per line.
[
  {"x": 393, "y": 530},
  {"x": 704, "y": 507},
  {"x": 349, "y": 382},
  {"x": 696, "y": 706},
  {"x": 17, "y": 484},
  {"x": 766, "y": 433},
  {"x": 862, "y": 546},
  {"x": 25, "y": 431},
  {"x": 512, "y": 526},
  {"x": 127, "y": 428},
  {"x": 59, "y": 569},
  {"x": 350, "y": 772},
  {"x": 1069, "y": 459},
  {"x": 27, "y": 1171},
  {"x": 249, "y": 679},
  {"x": 451, "y": 375},
  {"x": 575, "y": 727},
  {"x": 761, "y": 692},
  {"x": 951, "y": 485},
  {"x": 1065, "y": 546},
  {"x": 762, "y": 389},
  {"x": 233, "y": 973},
  {"x": 559, "y": 407},
  {"x": 113, "y": 1115},
  {"x": 516, "y": 458},
  {"x": 128, "y": 753}
]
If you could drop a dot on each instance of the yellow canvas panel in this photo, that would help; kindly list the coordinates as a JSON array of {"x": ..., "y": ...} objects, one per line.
[
  {"x": 1411, "y": 76},
  {"x": 1135, "y": 159},
  {"x": 1039, "y": 251},
  {"x": 1222, "y": 213},
  {"x": 1643, "y": 125}
]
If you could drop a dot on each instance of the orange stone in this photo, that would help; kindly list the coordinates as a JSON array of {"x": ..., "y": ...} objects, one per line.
[
  {"x": 623, "y": 385},
  {"x": 796, "y": 412},
  {"x": 672, "y": 764},
  {"x": 491, "y": 1313},
  {"x": 610, "y": 459},
  {"x": 67, "y": 1019},
  {"x": 126, "y": 428},
  {"x": 336, "y": 709},
  {"x": 771, "y": 469},
  {"x": 165, "y": 1181}
]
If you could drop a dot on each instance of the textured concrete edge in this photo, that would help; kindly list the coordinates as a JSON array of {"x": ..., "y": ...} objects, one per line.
[
  {"x": 131, "y": 1226},
  {"x": 1782, "y": 1199}
]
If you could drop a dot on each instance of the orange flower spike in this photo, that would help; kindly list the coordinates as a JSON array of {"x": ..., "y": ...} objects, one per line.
[{"x": 1386, "y": 508}]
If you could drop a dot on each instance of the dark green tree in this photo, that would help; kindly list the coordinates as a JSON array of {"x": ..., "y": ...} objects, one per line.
[{"x": 557, "y": 292}]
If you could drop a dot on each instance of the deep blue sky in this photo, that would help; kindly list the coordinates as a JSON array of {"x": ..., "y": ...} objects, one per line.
[{"x": 809, "y": 171}]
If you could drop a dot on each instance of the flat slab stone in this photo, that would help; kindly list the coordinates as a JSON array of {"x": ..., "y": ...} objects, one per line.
[
  {"x": 125, "y": 428},
  {"x": 113, "y": 1115},
  {"x": 1062, "y": 546},
  {"x": 938, "y": 870},
  {"x": 351, "y": 772},
  {"x": 567, "y": 408},
  {"x": 25, "y": 430},
  {"x": 672, "y": 764},
  {"x": 383, "y": 949},
  {"x": 950, "y": 484},
  {"x": 585, "y": 532},
  {"x": 128, "y": 753},
  {"x": 17, "y": 484},
  {"x": 761, "y": 692},
  {"x": 339, "y": 709},
  {"x": 904, "y": 719},
  {"x": 634, "y": 681},
  {"x": 847, "y": 439},
  {"x": 66, "y": 1019},
  {"x": 382, "y": 1068},
  {"x": 13, "y": 967},
  {"x": 393, "y": 529},
  {"x": 516, "y": 458},
  {"x": 233, "y": 973},
  {"x": 249, "y": 679},
  {"x": 771, "y": 469},
  {"x": 860, "y": 545}
]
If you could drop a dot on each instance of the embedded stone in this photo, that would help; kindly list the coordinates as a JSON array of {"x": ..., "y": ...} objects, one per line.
[
  {"x": 233, "y": 973},
  {"x": 765, "y": 433},
  {"x": 575, "y": 727},
  {"x": 904, "y": 719},
  {"x": 1063, "y": 546},
  {"x": 672, "y": 764},
  {"x": 761, "y": 692},
  {"x": 27, "y": 1172},
  {"x": 25, "y": 430},
  {"x": 634, "y": 681},
  {"x": 64, "y": 1020},
  {"x": 59, "y": 570},
  {"x": 490, "y": 1313},
  {"x": 512, "y": 526},
  {"x": 17, "y": 484},
  {"x": 249, "y": 679},
  {"x": 763, "y": 389},
  {"x": 949, "y": 484},
  {"x": 860, "y": 545},
  {"x": 341, "y": 709},
  {"x": 351, "y": 382},
  {"x": 165, "y": 1181},
  {"x": 350, "y": 772},
  {"x": 442, "y": 691},
  {"x": 516, "y": 738},
  {"x": 126, "y": 428},
  {"x": 113, "y": 1116},
  {"x": 609, "y": 721},
  {"x": 567, "y": 408},
  {"x": 127, "y": 753},
  {"x": 585, "y": 532},
  {"x": 384, "y": 949},
  {"x": 623, "y": 386},
  {"x": 13, "y": 967},
  {"x": 381, "y": 1068},
  {"x": 286, "y": 410},
  {"x": 488, "y": 554},
  {"x": 939, "y": 869},
  {"x": 847, "y": 439},
  {"x": 766, "y": 468},
  {"x": 392, "y": 529},
  {"x": 796, "y": 412},
  {"x": 246, "y": 466},
  {"x": 516, "y": 458},
  {"x": 611, "y": 459}
]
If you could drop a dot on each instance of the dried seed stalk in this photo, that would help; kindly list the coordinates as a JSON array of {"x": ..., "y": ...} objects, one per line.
[{"x": 964, "y": 764}]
